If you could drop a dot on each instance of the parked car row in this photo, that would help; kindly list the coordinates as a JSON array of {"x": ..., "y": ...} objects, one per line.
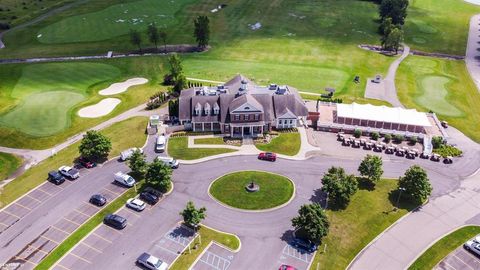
[{"x": 58, "y": 177}]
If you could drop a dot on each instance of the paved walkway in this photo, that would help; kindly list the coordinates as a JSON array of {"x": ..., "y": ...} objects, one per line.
[
  {"x": 386, "y": 89},
  {"x": 306, "y": 149},
  {"x": 472, "y": 58}
]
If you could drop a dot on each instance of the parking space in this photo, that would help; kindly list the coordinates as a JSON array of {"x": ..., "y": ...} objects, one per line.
[
  {"x": 20, "y": 208},
  {"x": 96, "y": 243},
  {"x": 173, "y": 243},
  {"x": 40, "y": 247},
  {"x": 459, "y": 259},
  {"x": 297, "y": 257},
  {"x": 215, "y": 257}
]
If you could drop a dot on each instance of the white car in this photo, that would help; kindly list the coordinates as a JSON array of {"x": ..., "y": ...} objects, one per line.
[
  {"x": 151, "y": 262},
  {"x": 160, "y": 144},
  {"x": 173, "y": 163},
  {"x": 127, "y": 153},
  {"x": 473, "y": 247},
  {"x": 69, "y": 172},
  {"x": 476, "y": 239},
  {"x": 136, "y": 204},
  {"x": 124, "y": 179}
]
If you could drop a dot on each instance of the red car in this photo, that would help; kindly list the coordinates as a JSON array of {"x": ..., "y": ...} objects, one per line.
[
  {"x": 286, "y": 267},
  {"x": 85, "y": 162},
  {"x": 267, "y": 156}
]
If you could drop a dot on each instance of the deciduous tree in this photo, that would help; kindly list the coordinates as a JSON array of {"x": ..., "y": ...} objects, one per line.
[
  {"x": 137, "y": 163},
  {"x": 371, "y": 168},
  {"x": 202, "y": 31},
  {"x": 193, "y": 216},
  {"x": 153, "y": 34},
  {"x": 415, "y": 184},
  {"x": 95, "y": 145},
  {"x": 136, "y": 39},
  {"x": 339, "y": 186},
  {"x": 159, "y": 175},
  {"x": 312, "y": 221}
]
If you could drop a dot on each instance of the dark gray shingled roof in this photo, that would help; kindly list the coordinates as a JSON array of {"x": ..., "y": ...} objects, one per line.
[{"x": 272, "y": 105}]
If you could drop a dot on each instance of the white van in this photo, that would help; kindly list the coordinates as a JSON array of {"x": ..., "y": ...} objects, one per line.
[
  {"x": 169, "y": 161},
  {"x": 127, "y": 153},
  {"x": 160, "y": 144},
  {"x": 124, "y": 179}
]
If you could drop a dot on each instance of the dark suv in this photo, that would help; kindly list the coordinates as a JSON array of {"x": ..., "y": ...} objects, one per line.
[
  {"x": 56, "y": 178},
  {"x": 304, "y": 244},
  {"x": 150, "y": 195},
  {"x": 115, "y": 221},
  {"x": 98, "y": 200}
]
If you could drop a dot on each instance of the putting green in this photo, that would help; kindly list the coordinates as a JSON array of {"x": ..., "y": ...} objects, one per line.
[
  {"x": 111, "y": 22},
  {"x": 46, "y": 93},
  {"x": 434, "y": 96},
  {"x": 42, "y": 114}
]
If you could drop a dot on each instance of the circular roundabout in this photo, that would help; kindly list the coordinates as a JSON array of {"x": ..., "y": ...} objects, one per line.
[{"x": 252, "y": 190}]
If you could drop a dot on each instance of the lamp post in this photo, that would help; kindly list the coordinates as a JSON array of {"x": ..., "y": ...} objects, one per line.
[{"x": 398, "y": 199}]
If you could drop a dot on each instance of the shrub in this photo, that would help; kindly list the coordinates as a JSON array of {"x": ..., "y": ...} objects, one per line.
[
  {"x": 357, "y": 133},
  {"x": 437, "y": 142},
  {"x": 399, "y": 138},
  {"x": 375, "y": 136},
  {"x": 388, "y": 138},
  {"x": 413, "y": 139}
]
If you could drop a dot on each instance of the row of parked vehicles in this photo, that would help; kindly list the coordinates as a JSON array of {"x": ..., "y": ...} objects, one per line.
[{"x": 58, "y": 177}]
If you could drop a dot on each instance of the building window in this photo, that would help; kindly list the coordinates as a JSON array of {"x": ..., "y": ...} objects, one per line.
[
  {"x": 237, "y": 117},
  {"x": 207, "y": 112},
  {"x": 215, "y": 111},
  {"x": 245, "y": 117},
  {"x": 291, "y": 122},
  {"x": 280, "y": 121},
  {"x": 257, "y": 116}
]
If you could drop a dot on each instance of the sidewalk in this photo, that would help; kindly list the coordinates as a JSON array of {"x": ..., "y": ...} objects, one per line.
[{"x": 306, "y": 150}]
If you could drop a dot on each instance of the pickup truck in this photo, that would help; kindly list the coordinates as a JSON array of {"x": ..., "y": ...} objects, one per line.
[{"x": 69, "y": 172}]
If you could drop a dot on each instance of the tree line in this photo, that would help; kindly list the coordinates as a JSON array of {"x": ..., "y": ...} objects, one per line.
[
  {"x": 156, "y": 35},
  {"x": 392, "y": 18}
]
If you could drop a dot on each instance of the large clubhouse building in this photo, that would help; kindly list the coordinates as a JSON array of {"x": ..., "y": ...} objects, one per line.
[{"x": 240, "y": 108}]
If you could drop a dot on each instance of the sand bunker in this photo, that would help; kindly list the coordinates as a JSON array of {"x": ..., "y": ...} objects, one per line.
[
  {"x": 475, "y": 2},
  {"x": 104, "y": 107},
  {"x": 117, "y": 88}
]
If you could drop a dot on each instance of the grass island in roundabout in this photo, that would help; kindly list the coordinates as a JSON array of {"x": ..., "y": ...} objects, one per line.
[{"x": 271, "y": 190}]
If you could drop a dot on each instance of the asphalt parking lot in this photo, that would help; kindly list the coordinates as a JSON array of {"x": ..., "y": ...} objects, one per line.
[
  {"x": 20, "y": 208},
  {"x": 296, "y": 257},
  {"x": 459, "y": 259},
  {"x": 41, "y": 246},
  {"x": 172, "y": 244},
  {"x": 215, "y": 257}
]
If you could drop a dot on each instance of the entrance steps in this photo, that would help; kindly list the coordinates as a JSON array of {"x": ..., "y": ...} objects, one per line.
[{"x": 247, "y": 141}]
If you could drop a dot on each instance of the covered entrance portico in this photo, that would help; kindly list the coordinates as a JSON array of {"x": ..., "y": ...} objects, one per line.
[{"x": 246, "y": 129}]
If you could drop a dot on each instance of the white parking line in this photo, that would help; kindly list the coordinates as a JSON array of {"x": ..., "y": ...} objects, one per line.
[
  {"x": 179, "y": 239},
  {"x": 215, "y": 261},
  {"x": 468, "y": 265},
  {"x": 449, "y": 266},
  {"x": 471, "y": 255},
  {"x": 33, "y": 198},
  {"x": 166, "y": 249},
  {"x": 295, "y": 253}
]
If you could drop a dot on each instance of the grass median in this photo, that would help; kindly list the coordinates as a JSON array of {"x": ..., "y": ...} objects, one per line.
[
  {"x": 443, "y": 247},
  {"x": 208, "y": 235},
  {"x": 178, "y": 148},
  {"x": 38, "y": 174},
  {"x": 83, "y": 231}
]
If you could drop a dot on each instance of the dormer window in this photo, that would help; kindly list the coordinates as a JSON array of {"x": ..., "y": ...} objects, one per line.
[
  {"x": 216, "y": 109},
  {"x": 207, "y": 109},
  {"x": 198, "y": 109}
]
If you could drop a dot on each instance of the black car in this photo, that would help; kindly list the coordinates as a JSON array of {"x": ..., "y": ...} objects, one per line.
[
  {"x": 55, "y": 177},
  {"x": 149, "y": 197},
  {"x": 115, "y": 221},
  {"x": 304, "y": 244},
  {"x": 98, "y": 200}
]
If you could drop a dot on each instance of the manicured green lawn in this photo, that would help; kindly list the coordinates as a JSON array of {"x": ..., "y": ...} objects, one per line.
[
  {"x": 178, "y": 148},
  {"x": 286, "y": 144},
  {"x": 39, "y": 102},
  {"x": 15, "y": 12},
  {"x": 208, "y": 235},
  {"x": 116, "y": 20},
  {"x": 38, "y": 174},
  {"x": 274, "y": 190},
  {"x": 443, "y": 247},
  {"x": 444, "y": 87},
  {"x": 430, "y": 26},
  {"x": 368, "y": 214},
  {"x": 8, "y": 164},
  {"x": 217, "y": 140}
]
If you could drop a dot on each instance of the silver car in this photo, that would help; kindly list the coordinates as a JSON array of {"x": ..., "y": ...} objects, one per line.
[
  {"x": 136, "y": 204},
  {"x": 473, "y": 247}
]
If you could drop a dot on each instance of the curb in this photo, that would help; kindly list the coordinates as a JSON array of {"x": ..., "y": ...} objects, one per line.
[
  {"x": 238, "y": 238},
  {"x": 438, "y": 239},
  {"x": 253, "y": 211},
  {"x": 383, "y": 232}
]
